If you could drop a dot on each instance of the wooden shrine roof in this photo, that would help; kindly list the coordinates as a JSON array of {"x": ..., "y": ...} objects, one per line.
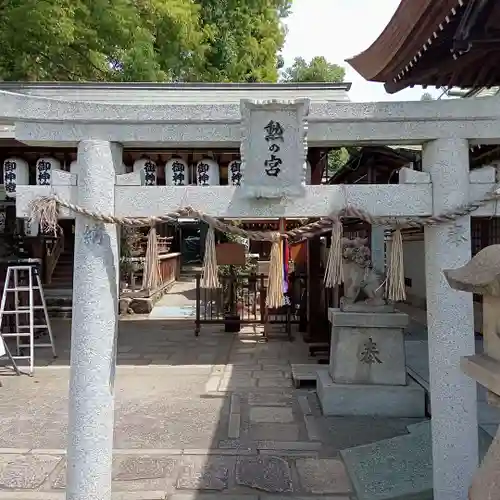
[
  {"x": 436, "y": 43},
  {"x": 383, "y": 159},
  {"x": 386, "y": 162}
]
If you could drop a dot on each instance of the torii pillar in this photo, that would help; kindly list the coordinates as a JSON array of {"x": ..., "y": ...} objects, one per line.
[
  {"x": 94, "y": 326},
  {"x": 450, "y": 322}
]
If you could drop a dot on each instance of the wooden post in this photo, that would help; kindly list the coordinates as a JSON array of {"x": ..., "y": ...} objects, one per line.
[{"x": 318, "y": 329}]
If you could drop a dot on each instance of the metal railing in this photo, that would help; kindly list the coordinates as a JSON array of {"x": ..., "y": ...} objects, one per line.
[{"x": 241, "y": 300}]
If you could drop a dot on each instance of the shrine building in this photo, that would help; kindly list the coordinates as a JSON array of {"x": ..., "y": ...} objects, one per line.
[{"x": 106, "y": 153}]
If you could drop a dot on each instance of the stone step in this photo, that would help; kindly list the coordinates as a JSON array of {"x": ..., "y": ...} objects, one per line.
[
  {"x": 399, "y": 468},
  {"x": 306, "y": 375}
]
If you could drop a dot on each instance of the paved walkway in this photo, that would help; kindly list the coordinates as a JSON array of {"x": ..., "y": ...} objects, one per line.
[
  {"x": 178, "y": 302},
  {"x": 196, "y": 418}
]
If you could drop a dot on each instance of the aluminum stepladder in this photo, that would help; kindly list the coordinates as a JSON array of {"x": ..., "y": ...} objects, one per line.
[{"x": 24, "y": 284}]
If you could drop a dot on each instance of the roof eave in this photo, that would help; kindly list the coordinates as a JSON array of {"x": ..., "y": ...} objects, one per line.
[{"x": 411, "y": 25}]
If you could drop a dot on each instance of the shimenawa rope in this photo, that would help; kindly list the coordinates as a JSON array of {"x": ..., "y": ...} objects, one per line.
[{"x": 45, "y": 211}]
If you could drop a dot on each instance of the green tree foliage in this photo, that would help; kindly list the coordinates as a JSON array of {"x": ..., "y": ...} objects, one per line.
[
  {"x": 317, "y": 70},
  {"x": 141, "y": 40},
  {"x": 337, "y": 158},
  {"x": 243, "y": 39}
]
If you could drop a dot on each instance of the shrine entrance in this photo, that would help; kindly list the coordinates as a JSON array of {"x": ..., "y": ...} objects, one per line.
[{"x": 274, "y": 137}]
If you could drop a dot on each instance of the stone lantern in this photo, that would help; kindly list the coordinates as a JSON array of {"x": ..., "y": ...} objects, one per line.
[{"x": 481, "y": 275}]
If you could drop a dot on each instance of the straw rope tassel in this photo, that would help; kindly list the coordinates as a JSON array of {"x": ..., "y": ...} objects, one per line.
[
  {"x": 210, "y": 278},
  {"x": 45, "y": 211},
  {"x": 275, "y": 297},
  {"x": 334, "y": 272},
  {"x": 151, "y": 276},
  {"x": 395, "y": 284}
]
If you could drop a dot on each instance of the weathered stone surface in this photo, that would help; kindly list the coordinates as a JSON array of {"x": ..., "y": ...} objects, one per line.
[
  {"x": 270, "y": 383},
  {"x": 270, "y": 474},
  {"x": 269, "y": 414},
  {"x": 323, "y": 475},
  {"x": 266, "y": 399},
  {"x": 267, "y": 374},
  {"x": 205, "y": 473},
  {"x": 195, "y": 495},
  {"x": 480, "y": 275},
  {"x": 486, "y": 481},
  {"x": 278, "y": 432},
  {"x": 130, "y": 468},
  {"x": 236, "y": 383},
  {"x": 367, "y": 348},
  {"x": 26, "y": 471}
]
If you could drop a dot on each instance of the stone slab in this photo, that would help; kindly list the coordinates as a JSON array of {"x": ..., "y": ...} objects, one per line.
[
  {"x": 196, "y": 495},
  {"x": 393, "y": 469},
  {"x": 26, "y": 471},
  {"x": 364, "y": 354},
  {"x": 399, "y": 468},
  {"x": 269, "y": 399},
  {"x": 271, "y": 414},
  {"x": 340, "y": 318},
  {"x": 300, "y": 497},
  {"x": 277, "y": 432},
  {"x": 370, "y": 400},
  {"x": 323, "y": 475},
  {"x": 205, "y": 473},
  {"x": 270, "y": 383},
  {"x": 366, "y": 308},
  {"x": 142, "y": 468},
  {"x": 271, "y": 474},
  {"x": 306, "y": 373}
]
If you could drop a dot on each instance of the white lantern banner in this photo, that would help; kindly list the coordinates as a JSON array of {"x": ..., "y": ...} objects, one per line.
[
  {"x": 15, "y": 173},
  {"x": 234, "y": 173},
  {"x": 147, "y": 168},
  {"x": 44, "y": 168},
  {"x": 176, "y": 172},
  {"x": 207, "y": 173}
]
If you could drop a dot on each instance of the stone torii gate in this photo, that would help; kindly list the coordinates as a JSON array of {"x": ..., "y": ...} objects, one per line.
[{"x": 445, "y": 128}]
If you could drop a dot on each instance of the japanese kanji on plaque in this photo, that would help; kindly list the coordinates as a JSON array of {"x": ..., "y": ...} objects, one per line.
[{"x": 274, "y": 148}]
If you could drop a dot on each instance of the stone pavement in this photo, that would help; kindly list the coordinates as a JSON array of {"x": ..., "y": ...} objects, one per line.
[{"x": 196, "y": 418}]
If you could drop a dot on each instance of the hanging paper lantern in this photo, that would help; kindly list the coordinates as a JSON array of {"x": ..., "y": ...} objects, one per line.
[
  {"x": 207, "y": 172},
  {"x": 44, "y": 167},
  {"x": 234, "y": 173},
  {"x": 15, "y": 173},
  {"x": 176, "y": 172},
  {"x": 308, "y": 173},
  {"x": 148, "y": 171}
]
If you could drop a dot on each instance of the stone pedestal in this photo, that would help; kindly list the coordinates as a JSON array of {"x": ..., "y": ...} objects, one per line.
[{"x": 367, "y": 372}]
